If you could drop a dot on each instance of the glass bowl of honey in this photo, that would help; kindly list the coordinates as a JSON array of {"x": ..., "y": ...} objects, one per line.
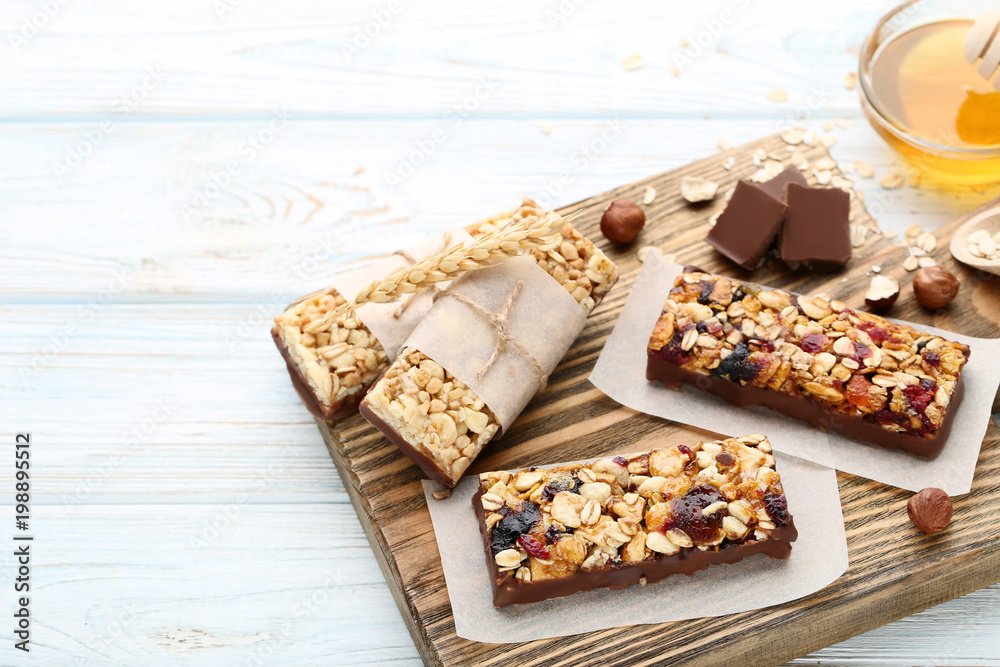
[{"x": 921, "y": 94}]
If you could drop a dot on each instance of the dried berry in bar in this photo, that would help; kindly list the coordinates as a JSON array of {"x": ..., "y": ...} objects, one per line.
[{"x": 627, "y": 520}]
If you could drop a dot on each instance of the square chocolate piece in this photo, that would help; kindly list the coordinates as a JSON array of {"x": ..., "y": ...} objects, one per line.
[
  {"x": 747, "y": 227},
  {"x": 817, "y": 226},
  {"x": 776, "y": 186}
]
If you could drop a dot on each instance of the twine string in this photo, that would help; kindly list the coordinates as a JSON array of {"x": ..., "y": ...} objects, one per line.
[{"x": 501, "y": 325}]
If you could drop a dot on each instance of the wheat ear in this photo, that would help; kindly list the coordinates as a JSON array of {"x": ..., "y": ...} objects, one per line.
[{"x": 533, "y": 233}]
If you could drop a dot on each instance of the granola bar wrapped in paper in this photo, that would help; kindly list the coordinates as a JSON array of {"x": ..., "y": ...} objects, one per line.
[
  {"x": 485, "y": 348},
  {"x": 333, "y": 361}
]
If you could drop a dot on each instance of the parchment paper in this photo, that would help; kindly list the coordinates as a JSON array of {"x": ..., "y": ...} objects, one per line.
[
  {"x": 819, "y": 557},
  {"x": 380, "y": 318},
  {"x": 621, "y": 374},
  {"x": 544, "y": 318}
]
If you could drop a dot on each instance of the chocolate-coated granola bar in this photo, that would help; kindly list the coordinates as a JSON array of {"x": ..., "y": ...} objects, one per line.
[
  {"x": 435, "y": 418},
  {"x": 631, "y": 520},
  {"x": 856, "y": 373}
]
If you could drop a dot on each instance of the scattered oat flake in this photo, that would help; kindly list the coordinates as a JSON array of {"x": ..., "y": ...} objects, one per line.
[
  {"x": 842, "y": 183},
  {"x": 632, "y": 62},
  {"x": 914, "y": 230},
  {"x": 926, "y": 261},
  {"x": 827, "y": 126},
  {"x": 725, "y": 143},
  {"x": 778, "y": 95},
  {"x": 728, "y": 164},
  {"x": 914, "y": 181},
  {"x": 675, "y": 70},
  {"x": 876, "y": 269},
  {"x": 685, "y": 43},
  {"x": 792, "y": 136},
  {"x": 359, "y": 170},
  {"x": 823, "y": 177},
  {"x": 892, "y": 181},
  {"x": 825, "y": 163},
  {"x": 851, "y": 80},
  {"x": 803, "y": 165},
  {"x": 842, "y": 122},
  {"x": 442, "y": 494},
  {"x": 890, "y": 233},
  {"x": 864, "y": 169},
  {"x": 859, "y": 235},
  {"x": 911, "y": 263},
  {"x": 828, "y": 140},
  {"x": 545, "y": 128},
  {"x": 650, "y": 196},
  {"x": 695, "y": 189},
  {"x": 759, "y": 157}
]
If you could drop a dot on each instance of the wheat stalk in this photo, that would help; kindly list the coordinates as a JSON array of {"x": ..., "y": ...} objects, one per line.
[{"x": 536, "y": 232}]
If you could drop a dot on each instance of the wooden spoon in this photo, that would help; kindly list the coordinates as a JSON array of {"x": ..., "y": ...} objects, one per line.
[
  {"x": 983, "y": 44},
  {"x": 988, "y": 221}
]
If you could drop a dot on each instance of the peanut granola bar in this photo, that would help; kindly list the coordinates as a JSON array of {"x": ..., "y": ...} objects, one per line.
[
  {"x": 332, "y": 366},
  {"x": 435, "y": 418},
  {"x": 859, "y": 374},
  {"x": 630, "y": 520}
]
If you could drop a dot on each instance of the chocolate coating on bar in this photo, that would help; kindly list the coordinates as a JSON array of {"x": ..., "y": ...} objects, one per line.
[
  {"x": 802, "y": 408},
  {"x": 817, "y": 226},
  {"x": 426, "y": 463},
  {"x": 339, "y": 409},
  {"x": 776, "y": 186},
  {"x": 747, "y": 227}
]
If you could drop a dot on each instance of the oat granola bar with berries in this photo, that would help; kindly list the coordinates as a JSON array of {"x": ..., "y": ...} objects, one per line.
[
  {"x": 817, "y": 360},
  {"x": 434, "y": 417},
  {"x": 332, "y": 368},
  {"x": 631, "y": 520}
]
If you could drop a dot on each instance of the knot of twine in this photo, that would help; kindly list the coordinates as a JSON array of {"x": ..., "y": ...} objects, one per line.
[
  {"x": 501, "y": 324},
  {"x": 445, "y": 244}
]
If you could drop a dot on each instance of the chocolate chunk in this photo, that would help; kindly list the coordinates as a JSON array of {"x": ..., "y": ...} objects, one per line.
[
  {"x": 817, "y": 226},
  {"x": 776, "y": 186},
  {"x": 747, "y": 227}
]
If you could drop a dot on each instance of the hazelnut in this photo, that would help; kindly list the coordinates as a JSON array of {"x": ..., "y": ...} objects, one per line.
[
  {"x": 622, "y": 221},
  {"x": 882, "y": 292},
  {"x": 930, "y": 510},
  {"x": 935, "y": 286}
]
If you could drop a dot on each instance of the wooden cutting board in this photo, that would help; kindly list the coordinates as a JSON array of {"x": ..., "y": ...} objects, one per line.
[{"x": 895, "y": 570}]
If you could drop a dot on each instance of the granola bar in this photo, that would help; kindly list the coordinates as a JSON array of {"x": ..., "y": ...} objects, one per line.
[
  {"x": 331, "y": 369},
  {"x": 813, "y": 359},
  {"x": 435, "y": 418},
  {"x": 631, "y": 520}
]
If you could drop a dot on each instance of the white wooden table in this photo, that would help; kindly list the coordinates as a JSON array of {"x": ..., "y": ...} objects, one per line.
[{"x": 173, "y": 172}]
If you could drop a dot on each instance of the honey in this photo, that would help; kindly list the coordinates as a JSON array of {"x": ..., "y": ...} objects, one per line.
[{"x": 924, "y": 86}]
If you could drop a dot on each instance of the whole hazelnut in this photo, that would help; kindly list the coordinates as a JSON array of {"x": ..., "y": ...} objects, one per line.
[
  {"x": 622, "y": 221},
  {"x": 930, "y": 510},
  {"x": 935, "y": 287},
  {"x": 882, "y": 292}
]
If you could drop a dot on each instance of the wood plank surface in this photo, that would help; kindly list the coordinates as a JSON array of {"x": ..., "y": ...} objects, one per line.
[{"x": 895, "y": 570}]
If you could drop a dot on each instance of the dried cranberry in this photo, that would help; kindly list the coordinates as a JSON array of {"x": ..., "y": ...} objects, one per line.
[
  {"x": 920, "y": 395},
  {"x": 890, "y": 417},
  {"x": 752, "y": 368},
  {"x": 553, "y": 535},
  {"x": 932, "y": 357},
  {"x": 874, "y": 331},
  {"x": 776, "y": 506},
  {"x": 857, "y": 391},
  {"x": 861, "y": 352},
  {"x": 688, "y": 515},
  {"x": 533, "y": 547},
  {"x": 621, "y": 460},
  {"x": 814, "y": 342},
  {"x": 730, "y": 367},
  {"x": 509, "y": 528},
  {"x": 685, "y": 450},
  {"x": 725, "y": 459},
  {"x": 672, "y": 352}
]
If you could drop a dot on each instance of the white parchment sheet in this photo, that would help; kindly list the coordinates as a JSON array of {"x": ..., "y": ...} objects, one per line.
[
  {"x": 819, "y": 557},
  {"x": 621, "y": 374},
  {"x": 391, "y": 323}
]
